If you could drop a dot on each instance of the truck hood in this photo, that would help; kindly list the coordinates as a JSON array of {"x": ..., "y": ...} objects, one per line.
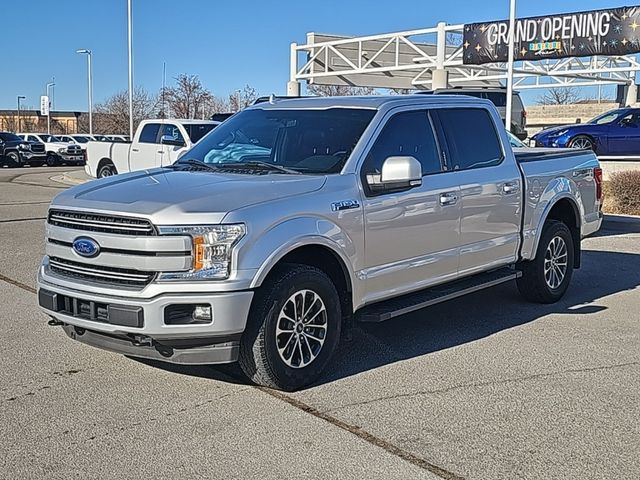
[{"x": 173, "y": 197}]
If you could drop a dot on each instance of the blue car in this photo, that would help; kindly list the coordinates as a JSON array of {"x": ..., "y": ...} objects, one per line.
[{"x": 614, "y": 133}]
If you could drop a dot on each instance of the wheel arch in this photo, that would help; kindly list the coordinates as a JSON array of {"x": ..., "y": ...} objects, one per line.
[
  {"x": 564, "y": 209},
  {"x": 104, "y": 161}
]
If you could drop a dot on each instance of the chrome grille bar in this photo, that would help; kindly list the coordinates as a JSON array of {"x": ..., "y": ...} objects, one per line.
[
  {"x": 100, "y": 223},
  {"x": 98, "y": 273}
]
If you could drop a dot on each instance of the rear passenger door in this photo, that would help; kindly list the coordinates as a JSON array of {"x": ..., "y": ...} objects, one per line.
[
  {"x": 144, "y": 153},
  {"x": 490, "y": 188},
  {"x": 411, "y": 236}
]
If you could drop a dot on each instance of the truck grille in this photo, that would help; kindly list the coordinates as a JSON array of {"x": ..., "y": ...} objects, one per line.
[
  {"x": 74, "y": 150},
  {"x": 37, "y": 148},
  {"x": 99, "y": 273},
  {"x": 93, "y": 222}
]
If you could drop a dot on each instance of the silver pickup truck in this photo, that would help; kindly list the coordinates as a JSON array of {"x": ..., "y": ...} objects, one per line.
[{"x": 296, "y": 217}]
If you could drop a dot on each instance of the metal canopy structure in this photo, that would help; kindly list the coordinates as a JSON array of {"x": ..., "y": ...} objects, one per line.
[{"x": 432, "y": 58}]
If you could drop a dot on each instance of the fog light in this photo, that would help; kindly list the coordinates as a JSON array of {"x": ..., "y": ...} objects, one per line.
[
  {"x": 202, "y": 313},
  {"x": 188, "y": 314}
]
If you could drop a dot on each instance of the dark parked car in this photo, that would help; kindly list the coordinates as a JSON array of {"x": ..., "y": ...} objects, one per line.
[
  {"x": 14, "y": 151},
  {"x": 614, "y": 133}
]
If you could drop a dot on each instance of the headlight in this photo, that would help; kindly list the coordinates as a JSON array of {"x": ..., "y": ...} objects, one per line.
[
  {"x": 559, "y": 134},
  {"x": 23, "y": 146},
  {"x": 212, "y": 250},
  {"x": 62, "y": 149}
]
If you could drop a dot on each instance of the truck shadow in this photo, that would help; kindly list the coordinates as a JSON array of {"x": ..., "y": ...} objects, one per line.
[{"x": 459, "y": 321}]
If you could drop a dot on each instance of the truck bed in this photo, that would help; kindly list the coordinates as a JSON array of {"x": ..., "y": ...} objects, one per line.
[{"x": 536, "y": 154}]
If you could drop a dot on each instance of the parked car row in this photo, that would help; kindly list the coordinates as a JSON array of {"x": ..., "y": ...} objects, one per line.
[{"x": 15, "y": 151}]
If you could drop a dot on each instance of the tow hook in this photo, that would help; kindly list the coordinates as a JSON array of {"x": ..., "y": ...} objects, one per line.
[
  {"x": 142, "y": 341},
  {"x": 55, "y": 323}
]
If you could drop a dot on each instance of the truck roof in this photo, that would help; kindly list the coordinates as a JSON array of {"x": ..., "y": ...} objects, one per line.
[{"x": 373, "y": 102}]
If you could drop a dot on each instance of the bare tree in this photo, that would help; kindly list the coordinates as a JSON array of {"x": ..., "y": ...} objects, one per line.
[
  {"x": 241, "y": 99},
  {"x": 559, "y": 96},
  {"x": 339, "y": 90},
  {"x": 188, "y": 98},
  {"x": 112, "y": 115}
]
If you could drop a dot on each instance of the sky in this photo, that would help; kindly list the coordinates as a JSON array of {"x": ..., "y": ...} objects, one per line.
[{"x": 228, "y": 44}]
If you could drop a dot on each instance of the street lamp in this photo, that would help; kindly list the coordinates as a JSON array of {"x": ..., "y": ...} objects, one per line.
[
  {"x": 20, "y": 97},
  {"x": 86, "y": 52},
  {"x": 50, "y": 84}
]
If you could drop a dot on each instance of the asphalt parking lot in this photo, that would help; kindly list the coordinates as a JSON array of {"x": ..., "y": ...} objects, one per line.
[{"x": 486, "y": 387}]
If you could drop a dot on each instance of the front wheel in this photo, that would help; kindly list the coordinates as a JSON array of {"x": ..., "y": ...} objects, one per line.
[
  {"x": 14, "y": 159},
  {"x": 582, "y": 142},
  {"x": 545, "y": 279},
  {"x": 293, "y": 328},
  {"x": 52, "y": 161}
]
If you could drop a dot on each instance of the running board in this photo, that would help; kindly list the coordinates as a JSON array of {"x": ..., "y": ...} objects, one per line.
[{"x": 379, "y": 312}]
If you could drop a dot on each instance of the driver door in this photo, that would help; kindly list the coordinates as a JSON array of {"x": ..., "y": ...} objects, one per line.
[
  {"x": 168, "y": 154},
  {"x": 411, "y": 236},
  {"x": 624, "y": 135}
]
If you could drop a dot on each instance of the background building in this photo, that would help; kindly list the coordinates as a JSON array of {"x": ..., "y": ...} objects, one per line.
[{"x": 32, "y": 121}]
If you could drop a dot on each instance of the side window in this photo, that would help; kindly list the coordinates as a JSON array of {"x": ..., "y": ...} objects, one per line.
[
  {"x": 472, "y": 139},
  {"x": 32, "y": 139},
  {"x": 173, "y": 132},
  {"x": 406, "y": 134},
  {"x": 149, "y": 133}
]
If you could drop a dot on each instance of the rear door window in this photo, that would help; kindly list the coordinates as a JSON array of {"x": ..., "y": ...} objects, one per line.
[
  {"x": 149, "y": 133},
  {"x": 471, "y": 138}
]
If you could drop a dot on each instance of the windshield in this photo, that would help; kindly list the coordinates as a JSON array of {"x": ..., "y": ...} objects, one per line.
[
  {"x": 49, "y": 138},
  {"x": 606, "y": 117},
  {"x": 197, "y": 131},
  {"x": 10, "y": 137},
  {"x": 80, "y": 139},
  {"x": 310, "y": 141}
]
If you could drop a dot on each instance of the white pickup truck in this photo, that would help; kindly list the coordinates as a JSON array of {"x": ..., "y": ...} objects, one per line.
[{"x": 157, "y": 143}]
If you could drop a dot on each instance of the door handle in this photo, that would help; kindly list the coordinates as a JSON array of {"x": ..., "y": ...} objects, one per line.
[
  {"x": 448, "y": 198},
  {"x": 160, "y": 151},
  {"x": 135, "y": 150},
  {"x": 510, "y": 188}
]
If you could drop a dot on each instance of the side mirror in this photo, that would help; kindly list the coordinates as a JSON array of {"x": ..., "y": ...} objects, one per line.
[
  {"x": 398, "y": 173},
  {"x": 169, "y": 140}
]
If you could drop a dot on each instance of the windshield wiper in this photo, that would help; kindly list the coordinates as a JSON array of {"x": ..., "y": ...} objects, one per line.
[
  {"x": 259, "y": 163},
  {"x": 195, "y": 163}
]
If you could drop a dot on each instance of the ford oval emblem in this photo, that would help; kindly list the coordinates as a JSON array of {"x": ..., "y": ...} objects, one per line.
[{"x": 86, "y": 247}]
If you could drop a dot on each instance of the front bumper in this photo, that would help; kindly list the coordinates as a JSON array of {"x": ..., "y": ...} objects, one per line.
[
  {"x": 79, "y": 159},
  {"x": 30, "y": 157},
  {"x": 136, "y": 326}
]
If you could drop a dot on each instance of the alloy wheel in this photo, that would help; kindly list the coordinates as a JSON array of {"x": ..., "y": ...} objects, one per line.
[
  {"x": 555, "y": 262},
  {"x": 301, "y": 328}
]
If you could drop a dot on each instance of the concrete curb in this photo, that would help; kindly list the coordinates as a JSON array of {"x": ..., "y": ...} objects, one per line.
[{"x": 66, "y": 178}]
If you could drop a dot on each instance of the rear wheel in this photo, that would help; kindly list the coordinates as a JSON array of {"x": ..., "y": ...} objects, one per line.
[
  {"x": 293, "y": 328},
  {"x": 107, "y": 170},
  {"x": 582, "y": 142},
  {"x": 546, "y": 278}
]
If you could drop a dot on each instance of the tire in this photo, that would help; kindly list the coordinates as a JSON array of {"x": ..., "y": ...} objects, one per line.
[
  {"x": 267, "y": 344},
  {"x": 582, "y": 142},
  {"x": 107, "y": 170},
  {"x": 52, "y": 160},
  {"x": 541, "y": 282},
  {"x": 13, "y": 159}
]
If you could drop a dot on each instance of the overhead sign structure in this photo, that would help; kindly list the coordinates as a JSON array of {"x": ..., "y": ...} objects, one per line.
[
  {"x": 44, "y": 105},
  {"x": 599, "y": 32}
]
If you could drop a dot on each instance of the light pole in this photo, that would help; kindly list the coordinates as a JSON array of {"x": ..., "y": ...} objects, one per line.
[
  {"x": 20, "y": 97},
  {"x": 130, "y": 46},
  {"x": 512, "y": 39},
  {"x": 50, "y": 84},
  {"x": 88, "y": 54}
]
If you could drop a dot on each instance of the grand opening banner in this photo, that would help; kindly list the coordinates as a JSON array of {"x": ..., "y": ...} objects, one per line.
[{"x": 613, "y": 31}]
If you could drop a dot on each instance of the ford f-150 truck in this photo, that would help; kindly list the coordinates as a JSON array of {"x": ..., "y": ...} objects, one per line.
[
  {"x": 157, "y": 143},
  {"x": 296, "y": 217}
]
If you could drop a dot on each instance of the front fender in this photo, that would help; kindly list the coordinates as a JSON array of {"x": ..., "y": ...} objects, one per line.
[
  {"x": 540, "y": 204},
  {"x": 268, "y": 248}
]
